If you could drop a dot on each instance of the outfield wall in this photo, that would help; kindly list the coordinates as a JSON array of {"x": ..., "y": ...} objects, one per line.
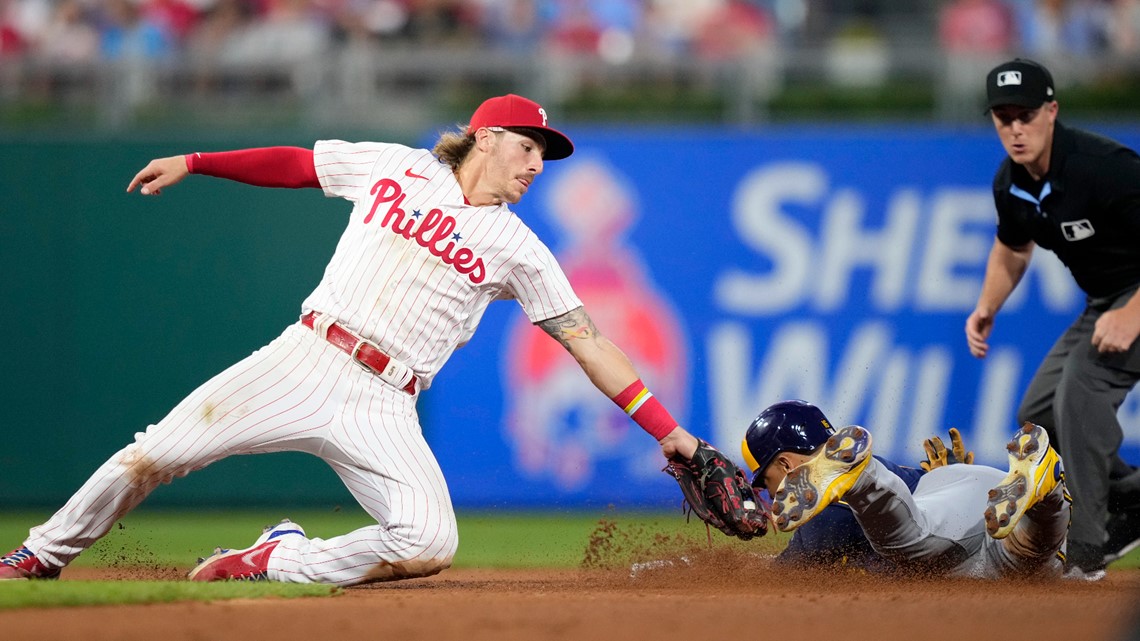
[{"x": 736, "y": 268}]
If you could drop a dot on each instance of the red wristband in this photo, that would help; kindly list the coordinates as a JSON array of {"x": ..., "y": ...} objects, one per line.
[{"x": 645, "y": 410}]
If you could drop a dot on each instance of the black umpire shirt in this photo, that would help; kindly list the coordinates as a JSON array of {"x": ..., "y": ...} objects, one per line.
[{"x": 1086, "y": 210}]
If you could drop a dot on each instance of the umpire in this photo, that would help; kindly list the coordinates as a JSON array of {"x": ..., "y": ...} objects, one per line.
[{"x": 1076, "y": 194}]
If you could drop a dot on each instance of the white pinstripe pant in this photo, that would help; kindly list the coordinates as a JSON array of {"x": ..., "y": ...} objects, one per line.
[{"x": 298, "y": 393}]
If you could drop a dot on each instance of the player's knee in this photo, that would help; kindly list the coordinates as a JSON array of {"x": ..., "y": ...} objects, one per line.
[
  {"x": 435, "y": 564},
  {"x": 410, "y": 569},
  {"x": 418, "y": 558},
  {"x": 142, "y": 469},
  {"x": 432, "y": 553}
]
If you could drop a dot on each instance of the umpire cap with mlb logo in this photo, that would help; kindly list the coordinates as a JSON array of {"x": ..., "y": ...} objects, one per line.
[
  {"x": 1020, "y": 82},
  {"x": 788, "y": 426}
]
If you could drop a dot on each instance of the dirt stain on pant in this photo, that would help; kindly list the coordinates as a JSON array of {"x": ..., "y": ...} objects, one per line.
[
  {"x": 141, "y": 470},
  {"x": 213, "y": 413},
  {"x": 209, "y": 412},
  {"x": 389, "y": 571}
]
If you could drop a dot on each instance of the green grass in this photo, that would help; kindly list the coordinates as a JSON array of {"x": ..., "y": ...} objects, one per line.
[{"x": 40, "y": 594}]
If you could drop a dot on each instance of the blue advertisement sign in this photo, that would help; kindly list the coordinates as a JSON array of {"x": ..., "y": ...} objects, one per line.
[{"x": 737, "y": 269}]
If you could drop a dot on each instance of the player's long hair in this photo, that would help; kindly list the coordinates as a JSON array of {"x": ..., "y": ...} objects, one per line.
[{"x": 453, "y": 146}]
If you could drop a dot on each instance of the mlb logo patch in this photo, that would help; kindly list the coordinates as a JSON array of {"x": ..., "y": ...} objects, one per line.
[
  {"x": 1077, "y": 230},
  {"x": 1009, "y": 78}
]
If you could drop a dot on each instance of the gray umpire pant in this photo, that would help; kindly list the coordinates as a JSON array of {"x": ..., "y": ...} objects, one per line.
[{"x": 1075, "y": 395}]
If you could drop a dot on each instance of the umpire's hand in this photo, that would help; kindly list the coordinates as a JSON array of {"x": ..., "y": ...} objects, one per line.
[
  {"x": 159, "y": 173},
  {"x": 1116, "y": 329},
  {"x": 978, "y": 328}
]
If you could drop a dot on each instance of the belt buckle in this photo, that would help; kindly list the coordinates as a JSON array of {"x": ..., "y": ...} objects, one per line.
[{"x": 355, "y": 355}]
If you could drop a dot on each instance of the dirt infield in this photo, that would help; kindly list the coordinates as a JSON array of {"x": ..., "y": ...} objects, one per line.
[{"x": 602, "y": 604}]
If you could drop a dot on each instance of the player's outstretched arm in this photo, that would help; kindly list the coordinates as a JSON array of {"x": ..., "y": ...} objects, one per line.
[
  {"x": 158, "y": 174},
  {"x": 716, "y": 490},
  {"x": 290, "y": 167},
  {"x": 611, "y": 371}
]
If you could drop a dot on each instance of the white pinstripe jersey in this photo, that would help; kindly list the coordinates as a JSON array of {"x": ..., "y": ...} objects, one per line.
[{"x": 416, "y": 267}]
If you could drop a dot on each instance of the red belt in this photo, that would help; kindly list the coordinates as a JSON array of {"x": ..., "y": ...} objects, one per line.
[{"x": 363, "y": 352}]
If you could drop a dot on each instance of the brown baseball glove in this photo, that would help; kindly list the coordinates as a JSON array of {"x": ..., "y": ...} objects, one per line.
[
  {"x": 938, "y": 456},
  {"x": 718, "y": 492}
]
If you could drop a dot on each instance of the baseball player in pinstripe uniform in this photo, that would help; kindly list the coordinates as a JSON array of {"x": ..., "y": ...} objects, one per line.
[{"x": 429, "y": 244}]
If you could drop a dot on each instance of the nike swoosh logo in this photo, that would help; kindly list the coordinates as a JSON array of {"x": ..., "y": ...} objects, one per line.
[
  {"x": 254, "y": 557},
  {"x": 410, "y": 174}
]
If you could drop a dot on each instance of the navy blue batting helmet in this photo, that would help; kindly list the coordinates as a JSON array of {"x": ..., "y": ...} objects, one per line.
[{"x": 787, "y": 426}]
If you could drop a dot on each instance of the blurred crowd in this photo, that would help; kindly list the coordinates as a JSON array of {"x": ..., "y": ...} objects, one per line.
[
  {"x": 283, "y": 30},
  {"x": 251, "y": 31},
  {"x": 112, "y": 59},
  {"x": 1041, "y": 28}
]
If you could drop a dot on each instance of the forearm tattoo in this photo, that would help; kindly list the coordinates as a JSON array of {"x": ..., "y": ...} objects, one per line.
[{"x": 573, "y": 325}]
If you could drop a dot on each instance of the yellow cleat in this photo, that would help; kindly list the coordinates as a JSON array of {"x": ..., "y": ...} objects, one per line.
[
  {"x": 1034, "y": 471},
  {"x": 822, "y": 479}
]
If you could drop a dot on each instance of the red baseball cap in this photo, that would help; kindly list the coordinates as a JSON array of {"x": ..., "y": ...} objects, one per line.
[{"x": 515, "y": 111}]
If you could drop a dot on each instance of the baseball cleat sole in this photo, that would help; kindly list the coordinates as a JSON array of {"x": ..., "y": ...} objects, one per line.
[
  {"x": 1034, "y": 471},
  {"x": 823, "y": 479}
]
